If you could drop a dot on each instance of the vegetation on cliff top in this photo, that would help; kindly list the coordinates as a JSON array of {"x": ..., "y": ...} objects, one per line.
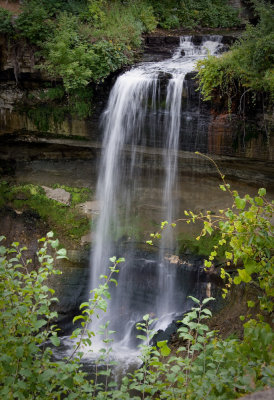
[{"x": 84, "y": 41}]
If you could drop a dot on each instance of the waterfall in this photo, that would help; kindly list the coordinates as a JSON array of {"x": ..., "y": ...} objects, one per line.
[{"x": 143, "y": 116}]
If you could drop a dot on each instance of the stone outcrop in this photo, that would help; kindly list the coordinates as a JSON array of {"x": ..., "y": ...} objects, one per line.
[
  {"x": 60, "y": 195},
  {"x": 261, "y": 395}
]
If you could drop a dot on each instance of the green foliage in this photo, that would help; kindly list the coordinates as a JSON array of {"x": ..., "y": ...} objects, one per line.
[
  {"x": 203, "y": 366},
  {"x": 84, "y": 41},
  {"x": 123, "y": 24},
  {"x": 50, "y": 108},
  {"x": 6, "y": 26},
  {"x": 27, "y": 332},
  {"x": 46, "y": 115},
  {"x": 191, "y": 13},
  {"x": 80, "y": 102},
  {"x": 214, "y": 14},
  {"x": 77, "y": 61},
  {"x": 97, "y": 11},
  {"x": 247, "y": 229},
  {"x": 249, "y": 63},
  {"x": 52, "y": 7},
  {"x": 247, "y": 232},
  {"x": 245, "y": 235},
  {"x": 64, "y": 219},
  {"x": 26, "y": 323},
  {"x": 78, "y": 195},
  {"x": 202, "y": 247},
  {"x": 53, "y": 93},
  {"x": 33, "y": 22}
]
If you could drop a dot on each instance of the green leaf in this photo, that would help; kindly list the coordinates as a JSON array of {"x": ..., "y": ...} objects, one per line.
[
  {"x": 251, "y": 266},
  {"x": 50, "y": 234},
  {"x": 3, "y": 250},
  {"x": 228, "y": 255},
  {"x": 240, "y": 203},
  {"x": 164, "y": 349},
  {"x": 194, "y": 299},
  {"x": 55, "y": 340},
  {"x": 62, "y": 252},
  {"x": 207, "y": 263},
  {"x": 205, "y": 301},
  {"x": 245, "y": 277},
  {"x": 78, "y": 317},
  {"x": 19, "y": 351},
  {"x": 39, "y": 323},
  {"x": 237, "y": 280},
  {"x": 259, "y": 201},
  {"x": 55, "y": 243},
  {"x": 262, "y": 192}
]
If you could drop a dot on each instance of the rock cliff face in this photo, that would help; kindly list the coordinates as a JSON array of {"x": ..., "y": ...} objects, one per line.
[{"x": 203, "y": 128}]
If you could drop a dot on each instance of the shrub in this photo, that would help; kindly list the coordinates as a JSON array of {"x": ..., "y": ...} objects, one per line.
[
  {"x": 33, "y": 22},
  {"x": 76, "y": 61},
  {"x": 203, "y": 366},
  {"x": 247, "y": 66},
  {"x": 6, "y": 26},
  {"x": 191, "y": 13}
]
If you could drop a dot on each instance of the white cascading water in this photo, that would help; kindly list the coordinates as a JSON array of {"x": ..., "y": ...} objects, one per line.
[{"x": 134, "y": 116}]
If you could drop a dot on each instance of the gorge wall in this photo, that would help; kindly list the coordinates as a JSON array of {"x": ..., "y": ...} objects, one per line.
[{"x": 67, "y": 152}]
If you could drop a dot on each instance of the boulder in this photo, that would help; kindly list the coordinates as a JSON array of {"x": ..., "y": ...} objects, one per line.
[{"x": 60, "y": 195}]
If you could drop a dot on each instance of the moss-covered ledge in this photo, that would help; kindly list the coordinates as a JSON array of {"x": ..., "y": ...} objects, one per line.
[{"x": 64, "y": 217}]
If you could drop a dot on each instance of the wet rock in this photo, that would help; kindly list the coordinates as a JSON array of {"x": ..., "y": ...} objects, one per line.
[
  {"x": 229, "y": 40},
  {"x": 89, "y": 207},
  {"x": 197, "y": 40},
  {"x": 10, "y": 94},
  {"x": 86, "y": 239},
  {"x": 60, "y": 195},
  {"x": 167, "y": 333},
  {"x": 164, "y": 76},
  {"x": 172, "y": 40},
  {"x": 223, "y": 49}
]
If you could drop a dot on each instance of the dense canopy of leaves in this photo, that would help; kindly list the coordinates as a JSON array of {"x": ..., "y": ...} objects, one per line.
[{"x": 84, "y": 41}]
